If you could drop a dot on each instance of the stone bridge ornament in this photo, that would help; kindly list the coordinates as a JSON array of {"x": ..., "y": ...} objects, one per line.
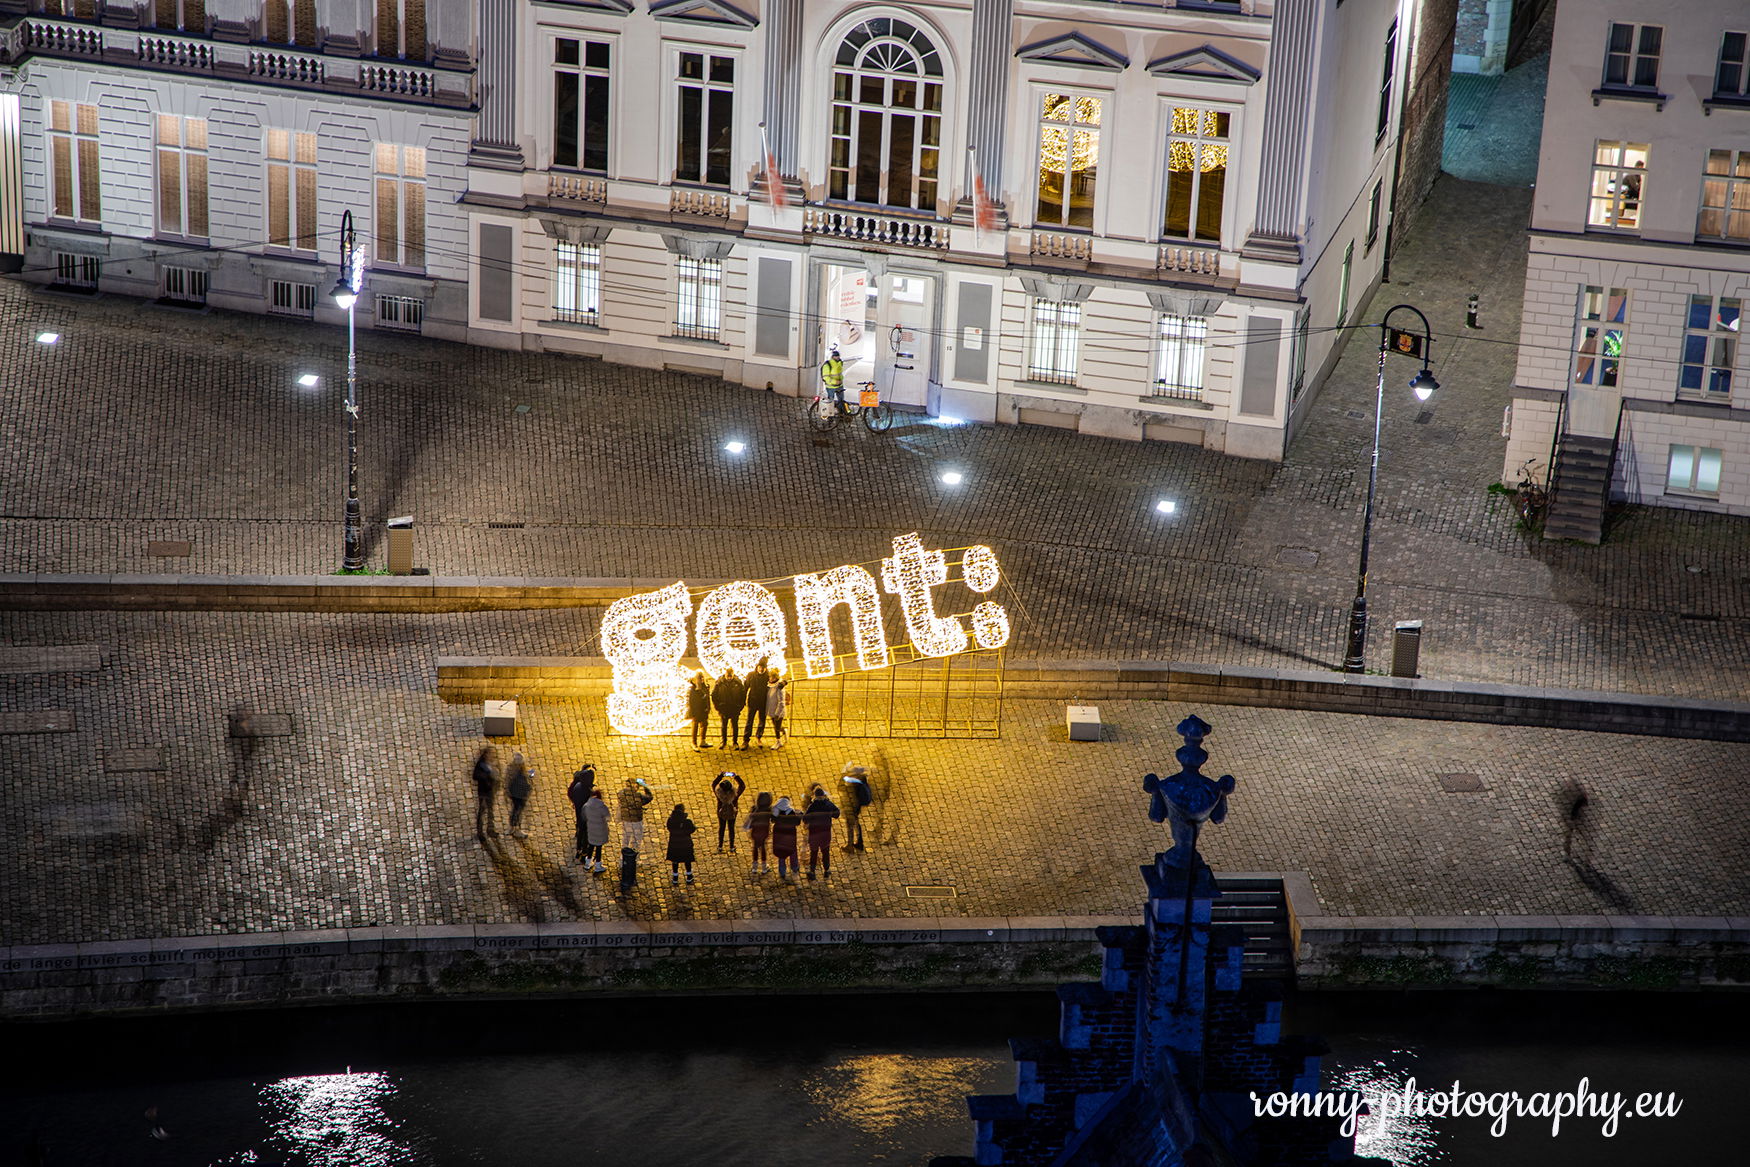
[{"x": 1188, "y": 799}]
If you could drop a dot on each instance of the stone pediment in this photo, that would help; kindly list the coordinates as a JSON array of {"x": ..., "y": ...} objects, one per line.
[
  {"x": 703, "y": 11},
  {"x": 1072, "y": 48},
  {"x": 1205, "y": 64},
  {"x": 616, "y": 7}
]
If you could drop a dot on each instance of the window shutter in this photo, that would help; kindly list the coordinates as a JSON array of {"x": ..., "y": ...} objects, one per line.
[
  {"x": 388, "y": 30},
  {"x": 388, "y": 222},
  {"x": 304, "y": 23},
  {"x": 415, "y": 10},
  {"x": 274, "y": 13}
]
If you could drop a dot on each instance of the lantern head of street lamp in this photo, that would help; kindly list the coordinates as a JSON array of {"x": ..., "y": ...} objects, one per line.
[
  {"x": 1423, "y": 385},
  {"x": 345, "y": 295}
]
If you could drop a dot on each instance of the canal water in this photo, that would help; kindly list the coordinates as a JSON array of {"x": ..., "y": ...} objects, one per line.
[{"x": 825, "y": 1079}]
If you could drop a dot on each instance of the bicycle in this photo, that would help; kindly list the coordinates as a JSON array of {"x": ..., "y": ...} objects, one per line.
[
  {"x": 1532, "y": 497},
  {"x": 825, "y": 411}
]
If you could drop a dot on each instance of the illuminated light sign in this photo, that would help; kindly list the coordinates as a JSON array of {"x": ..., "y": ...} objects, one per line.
[
  {"x": 645, "y": 636},
  {"x": 816, "y": 596},
  {"x": 738, "y": 624}
]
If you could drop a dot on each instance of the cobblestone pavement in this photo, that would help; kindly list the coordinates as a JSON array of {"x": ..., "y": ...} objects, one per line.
[
  {"x": 363, "y": 815},
  {"x": 616, "y": 471}
]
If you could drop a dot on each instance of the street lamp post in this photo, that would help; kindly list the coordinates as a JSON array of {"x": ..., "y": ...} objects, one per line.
[
  {"x": 346, "y": 294},
  {"x": 1415, "y": 344}
]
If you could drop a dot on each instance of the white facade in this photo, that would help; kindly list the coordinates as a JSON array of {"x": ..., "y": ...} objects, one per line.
[
  {"x": 212, "y": 163},
  {"x": 1640, "y": 252},
  {"x": 1093, "y": 312}
]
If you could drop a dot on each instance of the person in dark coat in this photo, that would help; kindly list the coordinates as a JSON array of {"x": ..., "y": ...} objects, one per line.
[
  {"x": 818, "y": 816},
  {"x": 857, "y": 796},
  {"x": 485, "y": 793},
  {"x": 727, "y": 789},
  {"x": 759, "y": 828},
  {"x": 757, "y": 683},
  {"x": 519, "y": 783},
  {"x": 680, "y": 843},
  {"x": 785, "y": 820},
  {"x": 728, "y": 696},
  {"x": 699, "y": 710},
  {"x": 595, "y": 816},
  {"x": 582, "y": 782}
]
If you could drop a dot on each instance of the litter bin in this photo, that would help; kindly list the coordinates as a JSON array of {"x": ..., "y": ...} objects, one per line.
[
  {"x": 401, "y": 545},
  {"x": 1406, "y": 647}
]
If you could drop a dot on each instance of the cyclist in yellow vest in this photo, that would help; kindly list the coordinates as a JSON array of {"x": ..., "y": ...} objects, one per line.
[{"x": 832, "y": 377}]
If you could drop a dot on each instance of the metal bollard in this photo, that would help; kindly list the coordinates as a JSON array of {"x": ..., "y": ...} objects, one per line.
[{"x": 1470, "y": 312}]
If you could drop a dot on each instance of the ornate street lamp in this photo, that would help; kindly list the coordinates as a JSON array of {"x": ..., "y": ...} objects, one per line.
[
  {"x": 1423, "y": 384},
  {"x": 346, "y": 295}
]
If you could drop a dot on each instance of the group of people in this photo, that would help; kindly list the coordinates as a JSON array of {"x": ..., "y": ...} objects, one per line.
[
  {"x": 775, "y": 827},
  {"x": 763, "y": 696}
]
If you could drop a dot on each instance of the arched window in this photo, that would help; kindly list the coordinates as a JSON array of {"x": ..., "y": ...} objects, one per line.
[{"x": 886, "y": 116}]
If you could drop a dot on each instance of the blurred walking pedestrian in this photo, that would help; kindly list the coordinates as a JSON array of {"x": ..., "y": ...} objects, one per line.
[
  {"x": 777, "y": 702},
  {"x": 785, "y": 820},
  {"x": 485, "y": 793},
  {"x": 818, "y": 815},
  {"x": 680, "y": 843},
  {"x": 728, "y": 696},
  {"x": 857, "y": 796},
  {"x": 759, "y": 829},
  {"x": 727, "y": 789},
  {"x": 699, "y": 709},
  {"x": 582, "y": 784},
  {"x": 519, "y": 783},
  {"x": 634, "y": 797},
  {"x": 595, "y": 817},
  {"x": 758, "y": 684}
]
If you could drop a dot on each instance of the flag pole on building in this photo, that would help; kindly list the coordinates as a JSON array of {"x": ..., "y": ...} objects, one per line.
[{"x": 774, "y": 183}]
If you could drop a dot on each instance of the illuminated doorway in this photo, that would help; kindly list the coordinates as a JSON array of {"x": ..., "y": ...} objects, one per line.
[{"x": 882, "y": 327}]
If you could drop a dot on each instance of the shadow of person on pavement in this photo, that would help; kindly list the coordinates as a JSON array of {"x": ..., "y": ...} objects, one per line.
[
  {"x": 884, "y": 817},
  {"x": 551, "y": 876},
  {"x": 522, "y": 893},
  {"x": 1574, "y": 803}
]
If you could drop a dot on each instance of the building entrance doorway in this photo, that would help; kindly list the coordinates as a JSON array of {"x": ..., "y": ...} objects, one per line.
[{"x": 881, "y": 325}]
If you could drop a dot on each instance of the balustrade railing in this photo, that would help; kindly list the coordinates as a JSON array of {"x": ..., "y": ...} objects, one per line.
[
  {"x": 864, "y": 227},
  {"x": 394, "y": 79},
  {"x": 578, "y": 188},
  {"x": 175, "y": 53},
  {"x": 704, "y": 203},
  {"x": 1053, "y": 245},
  {"x": 1190, "y": 260},
  {"x": 293, "y": 67},
  {"x": 70, "y": 39}
]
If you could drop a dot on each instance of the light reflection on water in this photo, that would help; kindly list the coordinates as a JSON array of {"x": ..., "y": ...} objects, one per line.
[
  {"x": 331, "y": 1120},
  {"x": 879, "y": 1094},
  {"x": 1404, "y": 1140}
]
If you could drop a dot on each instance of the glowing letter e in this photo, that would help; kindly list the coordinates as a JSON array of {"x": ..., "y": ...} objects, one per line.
[
  {"x": 910, "y": 575},
  {"x": 644, "y": 638}
]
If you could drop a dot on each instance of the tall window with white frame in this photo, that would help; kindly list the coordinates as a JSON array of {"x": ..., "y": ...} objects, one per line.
[
  {"x": 73, "y": 156},
  {"x": 1196, "y": 174},
  {"x": 290, "y": 22},
  {"x": 1710, "y": 348},
  {"x": 886, "y": 139},
  {"x": 1732, "y": 76},
  {"x": 291, "y": 190},
  {"x": 699, "y": 298},
  {"x": 185, "y": 15},
  {"x": 1385, "y": 81},
  {"x": 1069, "y": 159},
  {"x": 577, "y": 282},
  {"x": 1054, "y": 349},
  {"x": 1725, "y": 197},
  {"x": 581, "y": 93},
  {"x": 1179, "y": 343},
  {"x": 1619, "y": 170},
  {"x": 401, "y": 29},
  {"x": 704, "y": 118},
  {"x": 182, "y": 176},
  {"x": 1693, "y": 470},
  {"x": 1631, "y": 56},
  {"x": 400, "y": 198},
  {"x": 1343, "y": 283},
  {"x": 1600, "y": 336}
]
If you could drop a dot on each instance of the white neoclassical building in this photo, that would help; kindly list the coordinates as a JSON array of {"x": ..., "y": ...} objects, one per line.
[
  {"x": 1149, "y": 221},
  {"x": 1631, "y": 378},
  {"x": 1141, "y": 221}
]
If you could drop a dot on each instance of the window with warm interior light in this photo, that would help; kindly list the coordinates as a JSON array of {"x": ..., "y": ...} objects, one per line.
[
  {"x": 1069, "y": 159},
  {"x": 1197, "y": 151},
  {"x": 1618, "y": 171}
]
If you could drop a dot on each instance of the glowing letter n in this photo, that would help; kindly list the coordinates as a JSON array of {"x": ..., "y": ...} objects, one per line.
[
  {"x": 910, "y": 575},
  {"x": 816, "y": 595},
  {"x": 644, "y": 638}
]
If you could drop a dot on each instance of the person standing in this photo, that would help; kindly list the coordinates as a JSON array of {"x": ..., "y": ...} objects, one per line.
[
  {"x": 759, "y": 829},
  {"x": 680, "y": 843},
  {"x": 777, "y": 701},
  {"x": 728, "y": 696},
  {"x": 818, "y": 816},
  {"x": 582, "y": 784},
  {"x": 832, "y": 377},
  {"x": 519, "y": 783},
  {"x": 634, "y": 797},
  {"x": 785, "y": 820},
  {"x": 758, "y": 682},
  {"x": 595, "y": 817},
  {"x": 699, "y": 709},
  {"x": 485, "y": 793},
  {"x": 727, "y": 789},
  {"x": 857, "y": 796}
]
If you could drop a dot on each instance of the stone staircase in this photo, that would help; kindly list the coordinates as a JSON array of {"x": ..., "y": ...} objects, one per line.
[
  {"x": 1581, "y": 489},
  {"x": 1258, "y": 905}
]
